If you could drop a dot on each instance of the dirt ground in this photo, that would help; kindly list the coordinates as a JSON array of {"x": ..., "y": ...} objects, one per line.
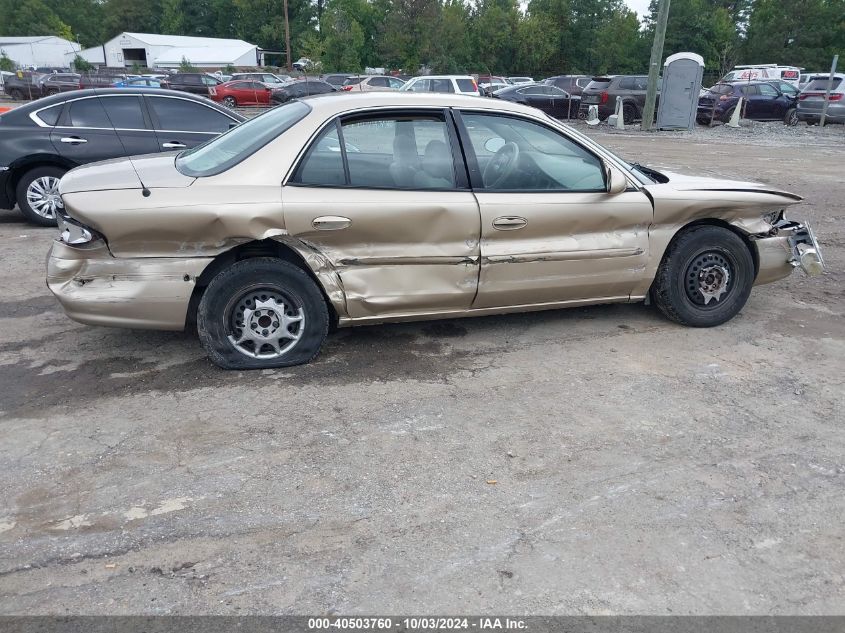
[{"x": 598, "y": 460}]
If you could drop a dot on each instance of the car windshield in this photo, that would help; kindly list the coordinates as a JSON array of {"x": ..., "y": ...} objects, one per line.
[{"x": 230, "y": 148}]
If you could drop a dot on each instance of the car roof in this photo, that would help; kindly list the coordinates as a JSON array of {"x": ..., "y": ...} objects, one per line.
[
  {"x": 449, "y": 76},
  {"x": 45, "y": 102},
  {"x": 331, "y": 104}
]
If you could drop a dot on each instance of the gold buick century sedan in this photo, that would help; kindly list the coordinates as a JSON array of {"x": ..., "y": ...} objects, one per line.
[{"x": 401, "y": 206}]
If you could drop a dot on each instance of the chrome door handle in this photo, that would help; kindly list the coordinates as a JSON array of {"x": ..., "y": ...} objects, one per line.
[
  {"x": 509, "y": 223},
  {"x": 330, "y": 222},
  {"x": 173, "y": 145},
  {"x": 73, "y": 140}
]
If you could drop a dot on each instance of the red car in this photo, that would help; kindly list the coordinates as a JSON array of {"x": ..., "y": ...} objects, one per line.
[{"x": 240, "y": 93}]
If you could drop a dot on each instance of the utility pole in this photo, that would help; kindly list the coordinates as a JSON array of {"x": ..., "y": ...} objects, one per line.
[
  {"x": 287, "y": 36},
  {"x": 827, "y": 92},
  {"x": 654, "y": 64}
]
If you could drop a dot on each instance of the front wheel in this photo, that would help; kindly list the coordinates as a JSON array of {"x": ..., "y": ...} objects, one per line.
[
  {"x": 705, "y": 277},
  {"x": 791, "y": 117},
  {"x": 230, "y": 102},
  {"x": 38, "y": 195},
  {"x": 260, "y": 313}
]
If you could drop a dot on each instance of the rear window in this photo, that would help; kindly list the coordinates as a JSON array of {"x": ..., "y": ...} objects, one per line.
[
  {"x": 820, "y": 85},
  {"x": 229, "y": 149},
  {"x": 599, "y": 83},
  {"x": 466, "y": 85},
  {"x": 722, "y": 89}
]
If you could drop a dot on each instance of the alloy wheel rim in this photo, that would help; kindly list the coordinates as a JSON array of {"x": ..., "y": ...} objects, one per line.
[
  {"x": 264, "y": 323},
  {"x": 709, "y": 278},
  {"x": 43, "y": 197}
]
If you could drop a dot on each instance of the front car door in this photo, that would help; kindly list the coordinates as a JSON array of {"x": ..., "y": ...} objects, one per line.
[
  {"x": 392, "y": 211},
  {"x": 550, "y": 232},
  {"x": 181, "y": 123}
]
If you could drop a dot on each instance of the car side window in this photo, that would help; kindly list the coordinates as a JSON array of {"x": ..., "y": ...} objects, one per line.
[
  {"x": 768, "y": 91},
  {"x": 750, "y": 91},
  {"x": 209, "y": 81},
  {"x": 125, "y": 112},
  {"x": 182, "y": 115},
  {"x": 421, "y": 85},
  {"x": 380, "y": 82},
  {"x": 88, "y": 113},
  {"x": 626, "y": 83},
  {"x": 442, "y": 85},
  {"x": 192, "y": 80},
  {"x": 395, "y": 83},
  {"x": 386, "y": 152},
  {"x": 515, "y": 154},
  {"x": 50, "y": 116}
]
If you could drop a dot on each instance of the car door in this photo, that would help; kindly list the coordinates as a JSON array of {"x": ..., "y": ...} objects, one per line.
[
  {"x": 181, "y": 123},
  {"x": 84, "y": 133},
  {"x": 392, "y": 212},
  {"x": 536, "y": 97},
  {"x": 562, "y": 104},
  {"x": 131, "y": 121},
  {"x": 771, "y": 106},
  {"x": 550, "y": 231},
  {"x": 754, "y": 107}
]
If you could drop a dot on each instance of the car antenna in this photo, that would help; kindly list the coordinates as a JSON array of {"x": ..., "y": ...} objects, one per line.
[{"x": 144, "y": 190}]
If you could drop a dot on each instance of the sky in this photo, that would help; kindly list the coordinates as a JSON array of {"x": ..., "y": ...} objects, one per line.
[{"x": 640, "y": 6}]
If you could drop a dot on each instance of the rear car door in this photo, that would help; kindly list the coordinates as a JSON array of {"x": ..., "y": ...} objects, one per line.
[
  {"x": 128, "y": 115},
  {"x": 550, "y": 231},
  {"x": 84, "y": 133},
  {"x": 393, "y": 211},
  {"x": 181, "y": 123}
]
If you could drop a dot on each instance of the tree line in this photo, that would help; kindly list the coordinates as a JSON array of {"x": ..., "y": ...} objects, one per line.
[{"x": 540, "y": 37}]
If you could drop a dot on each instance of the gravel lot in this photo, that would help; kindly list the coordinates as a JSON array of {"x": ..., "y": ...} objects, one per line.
[{"x": 597, "y": 460}]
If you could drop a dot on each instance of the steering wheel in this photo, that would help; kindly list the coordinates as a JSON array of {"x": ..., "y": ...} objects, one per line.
[{"x": 501, "y": 165}]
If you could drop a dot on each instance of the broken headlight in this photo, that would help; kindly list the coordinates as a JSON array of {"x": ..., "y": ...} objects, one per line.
[{"x": 74, "y": 233}]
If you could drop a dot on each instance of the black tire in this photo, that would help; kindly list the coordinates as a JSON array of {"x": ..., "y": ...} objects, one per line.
[
  {"x": 688, "y": 265},
  {"x": 23, "y": 184},
  {"x": 726, "y": 117},
  {"x": 52, "y": 92},
  {"x": 16, "y": 94},
  {"x": 230, "y": 102},
  {"x": 629, "y": 113},
  {"x": 222, "y": 305},
  {"x": 791, "y": 117}
]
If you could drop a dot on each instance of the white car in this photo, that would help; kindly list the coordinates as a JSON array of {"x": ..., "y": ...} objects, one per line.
[
  {"x": 457, "y": 84},
  {"x": 790, "y": 74},
  {"x": 372, "y": 83},
  {"x": 521, "y": 80}
]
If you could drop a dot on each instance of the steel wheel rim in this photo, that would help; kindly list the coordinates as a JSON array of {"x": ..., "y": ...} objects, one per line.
[
  {"x": 264, "y": 322},
  {"x": 42, "y": 196},
  {"x": 793, "y": 118},
  {"x": 229, "y": 101},
  {"x": 709, "y": 279}
]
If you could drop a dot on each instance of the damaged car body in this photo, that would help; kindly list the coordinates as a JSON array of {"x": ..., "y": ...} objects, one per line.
[{"x": 391, "y": 207}]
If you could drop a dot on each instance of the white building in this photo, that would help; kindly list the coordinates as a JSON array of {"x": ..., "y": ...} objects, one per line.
[
  {"x": 39, "y": 51},
  {"x": 167, "y": 51}
]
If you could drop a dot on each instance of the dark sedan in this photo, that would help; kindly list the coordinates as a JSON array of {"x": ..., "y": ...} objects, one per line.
[
  {"x": 762, "y": 101},
  {"x": 42, "y": 140},
  {"x": 550, "y": 99},
  {"x": 297, "y": 88}
]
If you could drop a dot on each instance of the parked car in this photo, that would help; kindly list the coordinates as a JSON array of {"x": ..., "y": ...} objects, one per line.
[
  {"x": 489, "y": 88},
  {"x": 241, "y": 93},
  {"x": 270, "y": 79},
  {"x": 451, "y": 206},
  {"x": 811, "y": 99},
  {"x": 763, "y": 102},
  {"x": 520, "y": 80},
  {"x": 195, "y": 83},
  {"x": 756, "y": 72},
  {"x": 785, "y": 87},
  {"x": 23, "y": 86},
  {"x": 602, "y": 91},
  {"x": 41, "y": 141},
  {"x": 805, "y": 78},
  {"x": 458, "y": 84},
  {"x": 337, "y": 79},
  {"x": 372, "y": 83},
  {"x": 302, "y": 63},
  {"x": 138, "y": 82},
  {"x": 298, "y": 88},
  {"x": 58, "y": 82},
  {"x": 550, "y": 99},
  {"x": 101, "y": 79},
  {"x": 573, "y": 84}
]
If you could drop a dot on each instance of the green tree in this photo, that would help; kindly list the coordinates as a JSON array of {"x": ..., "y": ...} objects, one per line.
[
  {"x": 186, "y": 66},
  {"x": 132, "y": 16},
  {"x": 343, "y": 39},
  {"x": 6, "y": 62},
  {"x": 31, "y": 17},
  {"x": 81, "y": 65}
]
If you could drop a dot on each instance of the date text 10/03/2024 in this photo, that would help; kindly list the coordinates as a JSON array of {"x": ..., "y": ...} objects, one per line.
[{"x": 417, "y": 623}]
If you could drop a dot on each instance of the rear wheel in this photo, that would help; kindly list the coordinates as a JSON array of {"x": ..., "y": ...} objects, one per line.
[
  {"x": 38, "y": 195},
  {"x": 629, "y": 113},
  {"x": 16, "y": 94},
  {"x": 230, "y": 102},
  {"x": 705, "y": 277},
  {"x": 260, "y": 313}
]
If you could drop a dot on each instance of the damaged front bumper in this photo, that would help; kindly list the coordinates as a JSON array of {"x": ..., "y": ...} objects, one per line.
[
  {"x": 787, "y": 246},
  {"x": 96, "y": 288}
]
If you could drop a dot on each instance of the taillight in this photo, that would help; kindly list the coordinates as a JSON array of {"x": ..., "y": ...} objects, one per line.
[
  {"x": 835, "y": 97},
  {"x": 346, "y": 88},
  {"x": 604, "y": 96},
  {"x": 724, "y": 98},
  {"x": 474, "y": 85}
]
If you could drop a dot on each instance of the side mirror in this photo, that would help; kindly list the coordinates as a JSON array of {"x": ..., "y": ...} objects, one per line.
[{"x": 617, "y": 182}]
